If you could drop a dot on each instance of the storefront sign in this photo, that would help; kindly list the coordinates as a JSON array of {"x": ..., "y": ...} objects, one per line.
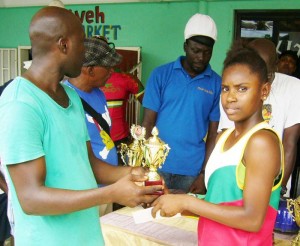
[{"x": 93, "y": 22}]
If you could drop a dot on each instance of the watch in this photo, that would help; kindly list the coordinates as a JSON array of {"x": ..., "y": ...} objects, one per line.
[{"x": 283, "y": 190}]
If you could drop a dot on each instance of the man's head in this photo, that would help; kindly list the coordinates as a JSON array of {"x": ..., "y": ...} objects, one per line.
[
  {"x": 267, "y": 51},
  {"x": 287, "y": 63},
  {"x": 57, "y": 36},
  {"x": 98, "y": 52},
  {"x": 100, "y": 59},
  {"x": 200, "y": 35}
]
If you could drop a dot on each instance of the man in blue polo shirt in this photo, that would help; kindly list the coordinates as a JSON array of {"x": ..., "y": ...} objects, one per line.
[{"x": 182, "y": 100}]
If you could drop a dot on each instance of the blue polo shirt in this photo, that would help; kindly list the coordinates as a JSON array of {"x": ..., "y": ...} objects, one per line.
[{"x": 184, "y": 107}]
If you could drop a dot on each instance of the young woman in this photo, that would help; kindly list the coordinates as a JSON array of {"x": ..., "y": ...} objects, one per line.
[{"x": 244, "y": 172}]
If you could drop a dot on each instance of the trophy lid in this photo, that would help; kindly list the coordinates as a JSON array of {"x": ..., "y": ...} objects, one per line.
[{"x": 154, "y": 140}]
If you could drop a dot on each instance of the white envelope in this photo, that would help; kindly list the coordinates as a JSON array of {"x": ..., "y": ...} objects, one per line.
[{"x": 144, "y": 215}]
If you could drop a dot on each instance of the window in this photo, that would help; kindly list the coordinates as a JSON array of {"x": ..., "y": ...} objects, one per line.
[
  {"x": 281, "y": 26},
  {"x": 8, "y": 64}
]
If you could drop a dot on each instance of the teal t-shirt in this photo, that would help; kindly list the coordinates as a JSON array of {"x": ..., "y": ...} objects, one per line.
[{"x": 32, "y": 125}]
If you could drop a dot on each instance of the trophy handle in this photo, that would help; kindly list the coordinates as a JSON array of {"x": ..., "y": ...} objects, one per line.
[
  {"x": 166, "y": 151},
  {"x": 290, "y": 203},
  {"x": 132, "y": 155},
  {"x": 123, "y": 151},
  {"x": 293, "y": 207}
]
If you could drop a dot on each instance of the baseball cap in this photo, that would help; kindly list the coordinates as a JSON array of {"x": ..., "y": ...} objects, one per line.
[
  {"x": 200, "y": 25},
  {"x": 98, "y": 52}
]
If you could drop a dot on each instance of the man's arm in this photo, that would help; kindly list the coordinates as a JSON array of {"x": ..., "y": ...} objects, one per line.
[
  {"x": 140, "y": 95},
  {"x": 37, "y": 199},
  {"x": 198, "y": 185},
  {"x": 132, "y": 82},
  {"x": 210, "y": 140},
  {"x": 290, "y": 139},
  {"x": 149, "y": 120}
]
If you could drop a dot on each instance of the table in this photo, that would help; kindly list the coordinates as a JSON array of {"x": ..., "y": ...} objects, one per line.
[{"x": 119, "y": 228}]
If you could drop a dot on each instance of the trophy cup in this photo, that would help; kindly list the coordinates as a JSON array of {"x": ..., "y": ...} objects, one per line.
[
  {"x": 150, "y": 153},
  {"x": 155, "y": 152},
  {"x": 295, "y": 212}
]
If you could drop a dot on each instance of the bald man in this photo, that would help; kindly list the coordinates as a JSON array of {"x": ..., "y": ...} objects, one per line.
[
  {"x": 45, "y": 146},
  {"x": 281, "y": 109}
]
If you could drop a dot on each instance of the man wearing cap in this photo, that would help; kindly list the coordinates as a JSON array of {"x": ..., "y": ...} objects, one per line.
[
  {"x": 98, "y": 65},
  {"x": 182, "y": 100}
]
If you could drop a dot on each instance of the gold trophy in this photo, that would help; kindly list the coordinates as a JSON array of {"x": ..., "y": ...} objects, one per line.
[
  {"x": 150, "y": 153},
  {"x": 295, "y": 212}
]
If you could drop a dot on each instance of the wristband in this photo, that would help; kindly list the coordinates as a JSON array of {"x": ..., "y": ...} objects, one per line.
[
  {"x": 199, "y": 196},
  {"x": 192, "y": 194}
]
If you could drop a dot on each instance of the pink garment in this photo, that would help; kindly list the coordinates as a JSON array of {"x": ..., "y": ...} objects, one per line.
[{"x": 214, "y": 233}]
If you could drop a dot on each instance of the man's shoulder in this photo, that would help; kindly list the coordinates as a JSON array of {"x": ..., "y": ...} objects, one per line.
[
  {"x": 14, "y": 89},
  {"x": 286, "y": 83},
  {"x": 289, "y": 80},
  {"x": 163, "y": 72},
  {"x": 169, "y": 65},
  {"x": 96, "y": 97},
  {"x": 209, "y": 71},
  {"x": 214, "y": 78},
  {"x": 216, "y": 74},
  {"x": 70, "y": 89}
]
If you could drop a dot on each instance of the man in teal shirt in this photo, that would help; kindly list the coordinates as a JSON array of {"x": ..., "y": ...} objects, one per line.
[{"x": 45, "y": 147}]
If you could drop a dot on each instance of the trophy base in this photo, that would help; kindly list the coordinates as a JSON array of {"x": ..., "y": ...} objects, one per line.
[
  {"x": 296, "y": 240},
  {"x": 156, "y": 182}
]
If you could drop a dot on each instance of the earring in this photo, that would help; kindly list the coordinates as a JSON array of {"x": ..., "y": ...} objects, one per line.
[{"x": 264, "y": 97}]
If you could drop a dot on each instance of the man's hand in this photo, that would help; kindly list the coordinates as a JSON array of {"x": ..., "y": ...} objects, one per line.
[
  {"x": 198, "y": 186},
  {"x": 128, "y": 191},
  {"x": 139, "y": 171}
]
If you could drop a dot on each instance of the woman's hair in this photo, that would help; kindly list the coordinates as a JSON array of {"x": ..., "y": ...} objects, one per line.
[{"x": 239, "y": 54}]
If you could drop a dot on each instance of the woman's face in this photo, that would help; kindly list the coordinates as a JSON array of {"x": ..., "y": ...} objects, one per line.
[{"x": 242, "y": 93}]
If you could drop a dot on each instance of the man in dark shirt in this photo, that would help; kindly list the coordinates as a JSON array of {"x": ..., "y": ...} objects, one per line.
[{"x": 2, "y": 87}]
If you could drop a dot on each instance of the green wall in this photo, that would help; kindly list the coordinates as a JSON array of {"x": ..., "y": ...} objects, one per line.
[{"x": 156, "y": 27}]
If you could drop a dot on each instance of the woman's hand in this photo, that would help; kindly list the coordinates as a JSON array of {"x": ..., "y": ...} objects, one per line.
[{"x": 169, "y": 205}]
